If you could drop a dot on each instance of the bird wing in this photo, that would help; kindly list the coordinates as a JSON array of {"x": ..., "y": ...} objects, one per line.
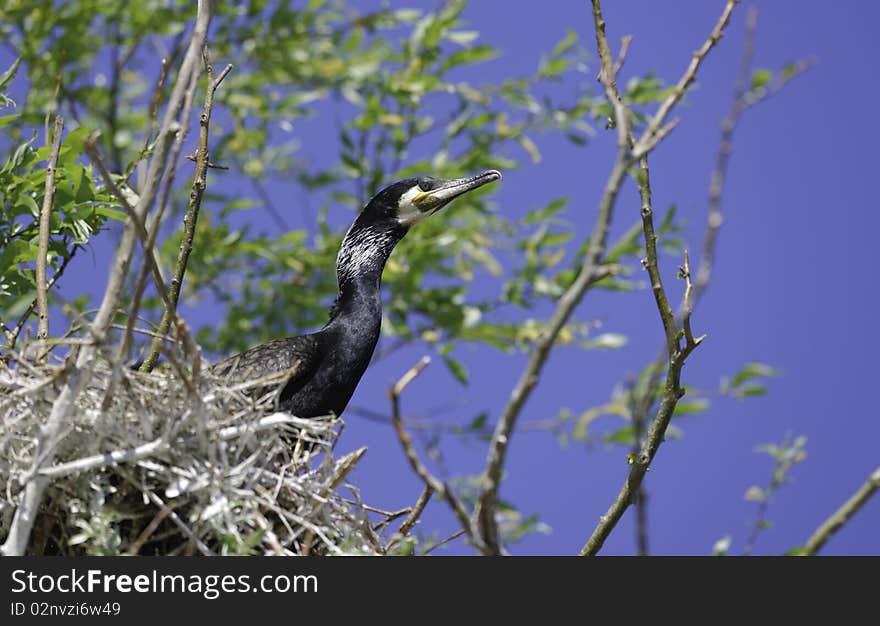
[{"x": 297, "y": 356}]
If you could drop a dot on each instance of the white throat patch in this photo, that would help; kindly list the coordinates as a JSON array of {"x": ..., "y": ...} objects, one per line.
[{"x": 407, "y": 212}]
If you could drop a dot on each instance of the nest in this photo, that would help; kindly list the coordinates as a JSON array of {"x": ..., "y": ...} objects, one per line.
[{"x": 165, "y": 463}]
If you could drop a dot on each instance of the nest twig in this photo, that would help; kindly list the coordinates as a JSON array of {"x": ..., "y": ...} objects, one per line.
[{"x": 168, "y": 467}]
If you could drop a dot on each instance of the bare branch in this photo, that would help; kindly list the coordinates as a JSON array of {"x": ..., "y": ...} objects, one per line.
[
  {"x": 644, "y": 143},
  {"x": 676, "y": 354},
  {"x": 45, "y": 227},
  {"x": 743, "y": 99},
  {"x": 141, "y": 283},
  {"x": 651, "y": 262},
  {"x": 842, "y": 515},
  {"x": 439, "y": 544},
  {"x": 192, "y": 213},
  {"x": 414, "y": 514},
  {"x": 608, "y": 75},
  {"x": 418, "y": 467}
]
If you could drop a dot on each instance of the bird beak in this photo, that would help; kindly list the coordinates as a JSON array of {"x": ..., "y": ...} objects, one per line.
[{"x": 445, "y": 192}]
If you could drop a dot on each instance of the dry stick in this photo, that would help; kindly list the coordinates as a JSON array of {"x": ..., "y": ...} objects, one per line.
[
  {"x": 45, "y": 227},
  {"x": 484, "y": 514},
  {"x": 430, "y": 481},
  {"x": 842, "y": 515},
  {"x": 150, "y": 528},
  {"x": 641, "y": 502},
  {"x": 714, "y": 220},
  {"x": 150, "y": 260},
  {"x": 439, "y": 544},
  {"x": 151, "y": 118},
  {"x": 677, "y": 354},
  {"x": 414, "y": 514},
  {"x": 672, "y": 392},
  {"x": 192, "y": 212},
  {"x": 655, "y": 130},
  {"x": 742, "y": 101},
  {"x": 141, "y": 283},
  {"x": 81, "y": 370}
]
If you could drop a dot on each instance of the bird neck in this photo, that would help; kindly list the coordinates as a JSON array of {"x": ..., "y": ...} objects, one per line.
[{"x": 359, "y": 266}]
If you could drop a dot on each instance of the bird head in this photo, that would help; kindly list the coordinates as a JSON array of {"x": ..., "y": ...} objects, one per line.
[
  {"x": 409, "y": 201},
  {"x": 390, "y": 214}
]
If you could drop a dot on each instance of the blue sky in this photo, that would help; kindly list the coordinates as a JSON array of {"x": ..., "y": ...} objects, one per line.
[{"x": 791, "y": 287}]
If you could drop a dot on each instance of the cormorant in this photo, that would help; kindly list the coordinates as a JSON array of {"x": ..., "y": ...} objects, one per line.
[{"x": 327, "y": 365}]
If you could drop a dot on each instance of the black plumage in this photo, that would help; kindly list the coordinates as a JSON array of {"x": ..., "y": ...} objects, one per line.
[{"x": 325, "y": 367}]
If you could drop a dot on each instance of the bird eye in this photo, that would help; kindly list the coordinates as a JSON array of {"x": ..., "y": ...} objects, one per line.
[{"x": 424, "y": 184}]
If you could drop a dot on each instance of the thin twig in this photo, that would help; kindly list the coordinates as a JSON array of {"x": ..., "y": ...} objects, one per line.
[
  {"x": 141, "y": 283},
  {"x": 743, "y": 99},
  {"x": 638, "y": 423},
  {"x": 150, "y": 528},
  {"x": 192, "y": 212},
  {"x": 842, "y": 515},
  {"x": 439, "y": 544},
  {"x": 154, "y": 107},
  {"x": 656, "y": 130},
  {"x": 418, "y": 467},
  {"x": 45, "y": 227},
  {"x": 639, "y": 463},
  {"x": 414, "y": 514}
]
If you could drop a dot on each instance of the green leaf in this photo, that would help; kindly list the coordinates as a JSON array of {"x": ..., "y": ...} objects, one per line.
[
  {"x": 477, "y": 54},
  {"x": 628, "y": 244},
  {"x": 565, "y": 45},
  {"x": 7, "y": 119},
  {"x": 113, "y": 214},
  {"x": 750, "y": 371},
  {"x": 17, "y": 251},
  {"x": 625, "y": 435},
  {"x": 7, "y": 76},
  {"x": 690, "y": 407},
  {"x": 553, "y": 67},
  {"x": 537, "y": 216},
  {"x": 606, "y": 341},
  {"x": 462, "y": 37},
  {"x": 26, "y": 200},
  {"x": 760, "y": 78},
  {"x": 479, "y": 422},
  {"x": 458, "y": 370}
]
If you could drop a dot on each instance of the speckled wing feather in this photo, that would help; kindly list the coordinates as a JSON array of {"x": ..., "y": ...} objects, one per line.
[{"x": 297, "y": 355}]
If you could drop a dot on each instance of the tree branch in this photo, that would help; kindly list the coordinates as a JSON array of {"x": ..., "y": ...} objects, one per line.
[
  {"x": 192, "y": 212},
  {"x": 141, "y": 283},
  {"x": 45, "y": 227},
  {"x": 486, "y": 503},
  {"x": 413, "y": 517},
  {"x": 654, "y": 132},
  {"x": 639, "y": 464},
  {"x": 676, "y": 354},
  {"x": 82, "y": 361},
  {"x": 743, "y": 99},
  {"x": 842, "y": 515},
  {"x": 434, "y": 483}
]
